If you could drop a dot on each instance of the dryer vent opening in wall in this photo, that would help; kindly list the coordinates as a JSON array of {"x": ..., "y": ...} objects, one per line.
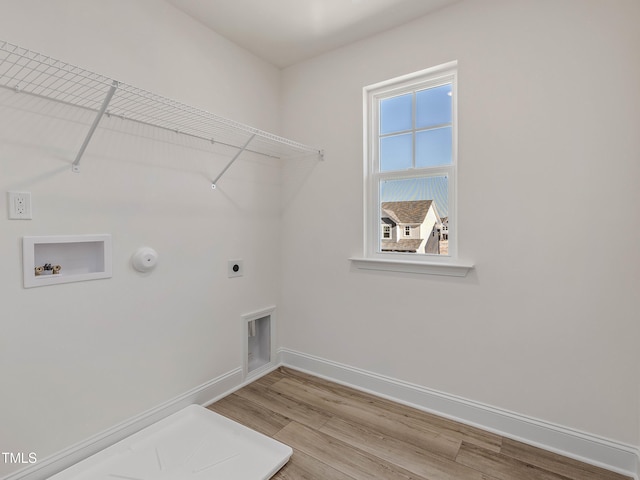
[{"x": 259, "y": 341}]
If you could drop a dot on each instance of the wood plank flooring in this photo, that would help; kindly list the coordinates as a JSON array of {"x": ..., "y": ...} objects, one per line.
[{"x": 338, "y": 433}]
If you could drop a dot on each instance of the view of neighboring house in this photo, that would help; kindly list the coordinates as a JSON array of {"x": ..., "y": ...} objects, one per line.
[
  {"x": 444, "y": 228},
  {"x": 410, "y": 226}
]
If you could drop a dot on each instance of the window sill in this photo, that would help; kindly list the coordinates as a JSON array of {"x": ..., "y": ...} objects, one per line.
[{"x": 448, "y": 269}]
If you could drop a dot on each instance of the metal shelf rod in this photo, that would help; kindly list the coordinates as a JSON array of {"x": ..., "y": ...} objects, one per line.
[
  {"x": 74, "y": 166},
  {"x": 235, "y": 157}
]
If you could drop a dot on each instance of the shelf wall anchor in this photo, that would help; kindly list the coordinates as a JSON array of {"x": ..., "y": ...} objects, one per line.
[
  {"x": 75, "y": 167},
  {"x": 235, "y": 157}
]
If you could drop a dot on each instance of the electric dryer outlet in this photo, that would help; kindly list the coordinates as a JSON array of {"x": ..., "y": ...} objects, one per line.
[{"x": 235, "y": 268}]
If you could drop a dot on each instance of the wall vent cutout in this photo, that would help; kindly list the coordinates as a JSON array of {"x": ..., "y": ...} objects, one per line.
[{"x": 258, "y": 334}]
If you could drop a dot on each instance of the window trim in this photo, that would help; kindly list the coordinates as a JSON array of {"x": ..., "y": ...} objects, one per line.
[
  {"x": 451, "y": 269},
  {"x": 374, "y": 259}
]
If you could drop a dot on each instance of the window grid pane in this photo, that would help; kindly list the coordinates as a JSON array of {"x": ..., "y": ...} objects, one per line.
[
  {"x": 396, "y": 114},
  {"x": 434, "y": 106},
  {"x": 415, "y": 129},
  {"x": 396, "y": 152},
  {"x": 433, "y": 147}
]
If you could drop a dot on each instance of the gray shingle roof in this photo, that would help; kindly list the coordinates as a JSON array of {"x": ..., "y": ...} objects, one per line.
[{"x": 410, "y": 211}]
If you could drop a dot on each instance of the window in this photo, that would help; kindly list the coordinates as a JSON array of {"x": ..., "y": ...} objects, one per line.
[{"x": 410, "y": 168}]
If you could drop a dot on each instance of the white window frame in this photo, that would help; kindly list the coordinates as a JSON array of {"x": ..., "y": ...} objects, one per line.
[{"x": 374, "y": 258}]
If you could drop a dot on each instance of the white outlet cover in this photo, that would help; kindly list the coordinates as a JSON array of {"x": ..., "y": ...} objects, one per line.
[
  {"x": 235, "y": 268},
  {"x": 19, "y": 205}
]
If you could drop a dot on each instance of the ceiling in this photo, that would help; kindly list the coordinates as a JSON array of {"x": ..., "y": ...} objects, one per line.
[{"x": 284, "y": 32}]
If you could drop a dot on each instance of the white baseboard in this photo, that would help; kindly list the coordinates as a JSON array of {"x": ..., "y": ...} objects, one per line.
[
  {"x": 581, "y": 446},
  {"x": 204, "y": 394}
]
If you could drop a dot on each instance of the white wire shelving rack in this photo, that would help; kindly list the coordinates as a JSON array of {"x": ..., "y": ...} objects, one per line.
[{"x": 27, "y": 72}]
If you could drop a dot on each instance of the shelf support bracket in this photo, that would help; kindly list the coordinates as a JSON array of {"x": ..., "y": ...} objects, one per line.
[
  {"x": 75, "y": 167},
  {"x": 235, "y": 157}
]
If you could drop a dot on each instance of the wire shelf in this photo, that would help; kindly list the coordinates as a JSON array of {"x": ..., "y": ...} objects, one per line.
[{"x": 26, "y": 71}]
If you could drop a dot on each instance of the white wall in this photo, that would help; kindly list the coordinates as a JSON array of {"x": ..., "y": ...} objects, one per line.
[
  {"x": 79, "y": 358},
  {"x": 549, "y": 113}
]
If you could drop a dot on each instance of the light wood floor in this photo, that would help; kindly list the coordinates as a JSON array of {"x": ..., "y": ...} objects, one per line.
[{"x": 341, "y": 434}]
